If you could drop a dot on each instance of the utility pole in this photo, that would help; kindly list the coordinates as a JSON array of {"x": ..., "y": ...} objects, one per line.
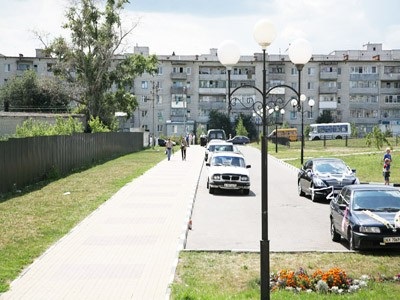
[{"x": 155, "y": 87}]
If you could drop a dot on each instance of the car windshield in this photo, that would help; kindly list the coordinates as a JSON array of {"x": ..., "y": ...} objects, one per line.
[
  {"x": 333, "y": 167},
  {"x": 376, "y": 200},
  {"x": 228, "y": 161},
  {"x": 223, "y": 148}
]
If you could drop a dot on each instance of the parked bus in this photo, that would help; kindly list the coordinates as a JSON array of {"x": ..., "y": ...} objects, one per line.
[
  {"x": 329, "y": 131},
  {"x": 290, "y": 133}
]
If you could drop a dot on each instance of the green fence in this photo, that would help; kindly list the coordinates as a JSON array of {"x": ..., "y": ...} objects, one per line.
[{"x": 25, "y": 161}]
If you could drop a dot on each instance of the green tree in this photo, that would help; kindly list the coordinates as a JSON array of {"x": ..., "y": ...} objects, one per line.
[
  {"x": 97, "y": 126},
  {"x": 240, "y": 128},
  {"x": 32, "y": 93},
  {"x": 376, "y": 137},
  {"x": 248, "y": 125},
  {"x": 62, "y": 126},
  {"x": 325, "y": 117},
  {"x": 218, "y": 120},
  {"x": 354, "y": 130},
  {"x": 103, "y": 82}
]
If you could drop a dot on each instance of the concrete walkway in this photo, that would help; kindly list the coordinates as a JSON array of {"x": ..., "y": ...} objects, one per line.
[{"x": 128, "y": 248}]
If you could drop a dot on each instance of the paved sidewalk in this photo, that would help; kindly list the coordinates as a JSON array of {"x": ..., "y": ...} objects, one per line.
[{"x": 128, "y": 248}]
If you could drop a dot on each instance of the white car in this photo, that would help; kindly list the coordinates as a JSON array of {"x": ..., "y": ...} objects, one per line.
[
  {"x": 228, "y": 171},
  {"x": 218, "y": 145}
]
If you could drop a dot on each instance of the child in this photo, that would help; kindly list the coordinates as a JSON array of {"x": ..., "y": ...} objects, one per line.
[{"x": 386, "y": 171}]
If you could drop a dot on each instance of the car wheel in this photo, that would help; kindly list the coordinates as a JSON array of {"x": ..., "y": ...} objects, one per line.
[
  {"x": 246, "y": 192},
  {"x": 334, "y": 235},
  {"x": 300, "y": 190},
  {"x": 211, "y": 190},
  {"x": 351, "y": 240}
]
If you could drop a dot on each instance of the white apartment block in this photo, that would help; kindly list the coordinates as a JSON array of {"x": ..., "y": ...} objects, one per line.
[{"x": 356, "y": 86}]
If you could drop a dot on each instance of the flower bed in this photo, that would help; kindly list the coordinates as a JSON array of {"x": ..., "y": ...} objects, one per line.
[{"x": 334, "y": 280}]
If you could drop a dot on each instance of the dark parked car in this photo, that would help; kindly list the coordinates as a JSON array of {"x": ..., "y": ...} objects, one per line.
[
  {"x": 323, "y": 178},
  {"x": 367, "y": 215},
  {"x": 215, "y": 134},
  {"x": 162, "y": 142},
  {"x": 239, "y": 140}
]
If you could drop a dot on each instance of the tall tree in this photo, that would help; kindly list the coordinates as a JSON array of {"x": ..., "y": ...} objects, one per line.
[
  {"x": 248, "y": 124},
  {"x": 30, "y": 92},
  {"x": 218, "y": 120},
  {"x": 90, "y": 60},
  {"x": 325, "y": 117}
]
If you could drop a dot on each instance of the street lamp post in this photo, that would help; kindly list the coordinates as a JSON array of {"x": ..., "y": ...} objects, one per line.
[
  {"x": 311, "y": 103},
  {"x": 229, "y": 55},
  {"x": 300, "y": 53},
  {"x": 276, "y": 111}
]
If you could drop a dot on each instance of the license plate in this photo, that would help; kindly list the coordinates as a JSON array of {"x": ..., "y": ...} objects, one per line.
[
  {"x": 391, "y": 239},
  {"x": 230, "y": 185}
]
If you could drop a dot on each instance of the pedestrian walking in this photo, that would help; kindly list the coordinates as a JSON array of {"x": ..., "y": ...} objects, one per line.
[
  {"x": 184, "y": 145},
  {"x": 387, "y": 154},
  {"x": 168, "y": 148},
  {"x": 386, "y": 171}
]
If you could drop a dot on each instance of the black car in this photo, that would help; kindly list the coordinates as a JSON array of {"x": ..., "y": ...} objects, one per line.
[
  {"x": 239, "y": 140},
  {"x": 367, "y": 215},
  {"x": 323, "y": 178},
  {"x": 162, "y": 142}
]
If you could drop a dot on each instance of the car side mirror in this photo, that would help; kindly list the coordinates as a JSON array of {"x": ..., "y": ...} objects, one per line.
[
  {"x": 353, "y": 170},
  {"x": 248, "y": 166},
  {"x": 207, "y": 164}
]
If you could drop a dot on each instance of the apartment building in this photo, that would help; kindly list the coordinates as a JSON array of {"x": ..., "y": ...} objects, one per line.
[{"x": 356, "y": 86}]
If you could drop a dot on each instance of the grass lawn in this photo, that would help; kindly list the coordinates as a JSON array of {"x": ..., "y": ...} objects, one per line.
[{"x": 35, "y": 218}]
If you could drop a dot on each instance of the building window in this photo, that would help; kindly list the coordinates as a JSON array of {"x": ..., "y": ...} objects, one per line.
[
  {"x": 23, "y": 67},
  {"x": 145, "y": 85},
  {"x": 7, "y": 67},
  {"x": 160, "y": 70}
]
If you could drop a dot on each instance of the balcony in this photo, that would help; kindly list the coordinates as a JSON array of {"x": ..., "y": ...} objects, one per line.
[
  {"x": 364, "y": 77},
  {"x": 365, "y": 91},
  {"x": 390, "y": 76},
  {"x": 328, "y": 75},
  {"x": 222, "y": 77},
  {"x": 212, "y": 105},
  {"x": 212, "y": 91},
  {"x": 328, "y": 89},
  {"x": 327, "y": 105},
  {"x": 181, "y": 90},
  {"x": 178, "y": 76}
]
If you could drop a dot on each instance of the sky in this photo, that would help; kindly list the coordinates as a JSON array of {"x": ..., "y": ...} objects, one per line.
[{"x": 189, "y": 27}]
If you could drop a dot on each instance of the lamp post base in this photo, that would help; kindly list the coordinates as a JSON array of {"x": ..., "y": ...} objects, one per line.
[{"x": 265, "y": 267}]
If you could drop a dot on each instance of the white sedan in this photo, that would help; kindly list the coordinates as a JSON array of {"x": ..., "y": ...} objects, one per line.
[{"x": 228, "y": 171}]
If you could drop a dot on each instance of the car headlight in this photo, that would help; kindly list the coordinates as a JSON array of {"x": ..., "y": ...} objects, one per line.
[
  {"x": 216, "y": 177},
  {"x": 370, "y": 229},
  {"x": 244, "y": 178},
  {"x": 319, "y": 182}
]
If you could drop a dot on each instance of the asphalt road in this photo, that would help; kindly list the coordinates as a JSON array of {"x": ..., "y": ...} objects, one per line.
[{"x": 231, "y": 221}]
